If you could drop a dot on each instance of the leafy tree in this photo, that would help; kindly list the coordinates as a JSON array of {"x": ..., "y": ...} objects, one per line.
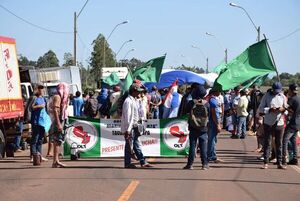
[
  {"x": 68, "y": 59},
  {"x": 24, "y": 61},
  {"x": 49, "y": 59},
  {"x": 97, "y": 57},
  {"x": 189, "y": 68}
]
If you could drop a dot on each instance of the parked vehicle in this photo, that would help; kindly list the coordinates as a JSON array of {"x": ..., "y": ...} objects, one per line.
[{"x": 11, "y": 102}]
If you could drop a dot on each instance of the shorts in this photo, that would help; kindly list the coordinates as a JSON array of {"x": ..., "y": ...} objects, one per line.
[{"x": 55, "y": 135}]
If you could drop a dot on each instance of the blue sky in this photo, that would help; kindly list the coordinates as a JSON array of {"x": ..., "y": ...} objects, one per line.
[{"x": 157, "y": 27}]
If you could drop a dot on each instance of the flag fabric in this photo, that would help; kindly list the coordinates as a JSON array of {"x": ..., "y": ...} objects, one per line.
[
  {"x": 218, "y": 69},
  {"x": 112, "y": 79},
  {"x": 151, "y": 70},
  {"x": 127, "y": 82},
  {"x": 169, "y": 96},
  {"x": 255, "y": 61}
]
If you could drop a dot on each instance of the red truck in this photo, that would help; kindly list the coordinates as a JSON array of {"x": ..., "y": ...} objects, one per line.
[{"x": 11, "y": 102}]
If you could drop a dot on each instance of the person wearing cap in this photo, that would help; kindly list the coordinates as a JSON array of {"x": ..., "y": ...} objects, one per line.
[
  {"x": 272, "y": 106},
  {"x": 242, "y": 114},
  {"x": 197, "y": 134},
  {"x": 130, "y": 123},
  {"x": 214, "y": 126},
  {"x": 155, "y": 102},
  {"x": 290, "y": 134},
  {"x": 38, "y": 131}
]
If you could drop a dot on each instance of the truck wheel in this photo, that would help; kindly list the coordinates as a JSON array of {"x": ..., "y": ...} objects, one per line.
[{"x": 2, "y": 145}]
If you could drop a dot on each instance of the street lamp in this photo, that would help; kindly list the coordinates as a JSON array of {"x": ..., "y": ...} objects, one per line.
[
  {"x": 257, "y": 28},
  {"x": 124, "y": 22},
  {"x": 126, "y": 55},
  {"x": 206, "y": 58},
  {"x": 128, "y": 41},
  {"x": 75, "y": 32},
  {"x": 220, "y": 44}
]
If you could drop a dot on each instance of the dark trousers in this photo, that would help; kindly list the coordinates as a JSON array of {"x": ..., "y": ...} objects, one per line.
[
  {"x": 194, "y": 137},
  {"x": 290, "y": 135},
  {"x": 277, "y": 131},
  {"x": 38, "y": 133}
]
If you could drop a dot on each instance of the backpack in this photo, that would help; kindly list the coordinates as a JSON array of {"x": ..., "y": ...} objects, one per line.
[
  {"x": 91, "y": 107},
  {"x": 198, "y": 118}
]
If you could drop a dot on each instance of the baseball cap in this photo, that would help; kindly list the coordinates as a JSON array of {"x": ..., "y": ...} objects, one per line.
[
  {"x": 199, "y": 92},
  {"x": 136, "y": 87},
  {"x": 40, "y": 85},
  {"x": 277, "y": 87},
  {"x": 293, "y": 87}
]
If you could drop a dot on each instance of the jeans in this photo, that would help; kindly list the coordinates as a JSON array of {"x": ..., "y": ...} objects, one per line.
[
  {"x": 241, "y": 129},
  {"x": 155, "y": 113},
  {"x": 290, "y": 135},
  {"x": 278, "y": 133},
  {"x": 38, "y": 133},
  {"x": 19, "y": 135},
  {"x": 212, "y": 141},
  {"x": 136, "y": 146},
  {"x": 194, "y": 137}
]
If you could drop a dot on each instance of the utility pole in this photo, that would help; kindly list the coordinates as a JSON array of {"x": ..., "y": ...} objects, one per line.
[
  {"x": 75, "y": 38},
  {"x": 206, "y": 65}
]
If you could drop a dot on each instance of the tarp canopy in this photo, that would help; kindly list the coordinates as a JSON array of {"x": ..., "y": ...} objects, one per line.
[{"x": 184, "y": 77}]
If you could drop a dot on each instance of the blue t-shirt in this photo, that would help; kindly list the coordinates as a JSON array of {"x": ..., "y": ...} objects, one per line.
[
  {"x": 35, "y": 114},
  {"x": 77, "y": 106},
  {"x": 213, "y": 103}
]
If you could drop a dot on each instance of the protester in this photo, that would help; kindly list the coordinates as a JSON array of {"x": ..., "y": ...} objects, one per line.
[
  {"x": 130, "y": 124},
  {"x": 77, "y": 104},
  {"x": 214, "y": 126},
  {"x": 227, "y": 108},
  {"x": 242, "y": 115},
  {"x": 144, "y": 105},
  {"x": 103, "y": 103},
  {"x": 155, "y": 102},
  {"x": 273, "y": 105},
  {"x": 91, "y": 106},
  {"x": 290, "y": 134},
  {"x": 253, "y": 105},
  {"x": 38, "y": 131},
  {"x": 59, "y": 108},
  {"x": 113, "y": 98},
  {"x": 198, "y": 119},
  {"x": 184, "y": 102},
  {"x": 235, "y": 101}
]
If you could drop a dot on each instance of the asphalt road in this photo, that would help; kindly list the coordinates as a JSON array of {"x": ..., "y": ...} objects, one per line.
[{"x": 238, "y": 178}]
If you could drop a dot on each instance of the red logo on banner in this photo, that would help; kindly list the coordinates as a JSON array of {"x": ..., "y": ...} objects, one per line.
[
  {"x": 78, "y": 132},
  {"x": 174, "y": 130}
]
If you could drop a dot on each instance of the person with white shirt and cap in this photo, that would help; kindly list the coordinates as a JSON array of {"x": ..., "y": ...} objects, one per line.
[{"x": 130, "y": 127}]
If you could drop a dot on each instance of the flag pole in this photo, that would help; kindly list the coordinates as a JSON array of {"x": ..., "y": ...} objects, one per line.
[{"x": 272, "y": 58}]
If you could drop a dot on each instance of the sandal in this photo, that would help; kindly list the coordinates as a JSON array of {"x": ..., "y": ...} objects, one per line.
[{"x": 58, "y": 165}]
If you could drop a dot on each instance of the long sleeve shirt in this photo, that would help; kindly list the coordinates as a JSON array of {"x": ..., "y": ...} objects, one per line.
[
  {"x": 130, "y": 114},
  {"x": 268, "y": 101}
]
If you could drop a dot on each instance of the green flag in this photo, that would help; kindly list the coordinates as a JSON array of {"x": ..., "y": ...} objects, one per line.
[
  {"x": 112, "y": 79},
  {"x": 127, "y": 82},
  {"x": 150, "y": 71},
  {"x": 254, "y": 62},
  {"x": 218, "y": 69}
]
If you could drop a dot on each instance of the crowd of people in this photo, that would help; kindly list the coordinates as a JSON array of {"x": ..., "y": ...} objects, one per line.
[{"x": 275, "y": 114}]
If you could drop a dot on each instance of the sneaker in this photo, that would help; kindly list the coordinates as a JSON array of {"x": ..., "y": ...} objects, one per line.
[
  {"x": 44, "y": 159},
  {"x": 31, "y": 159},
  {"x": 218, "y": 161},
  {"x": 242, "y": 137},
  {"x": 205, "y": 167},
  {"x": 265, "y": 166},
  {"x": 147, "y": 165},
  {"x": 261, "y": 158},
  {"x": 19, "y": 150},
  {"x": 280, "y": 166},
  {"x": 130, "y": 166},
  {"x": 188, "y": 167},
  {"x": 274, "y": 160}
]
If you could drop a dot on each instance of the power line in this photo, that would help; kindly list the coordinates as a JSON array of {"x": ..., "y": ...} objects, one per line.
[
  {"x": 34, "y": 25},
  {"x": 286, "y": 36}
]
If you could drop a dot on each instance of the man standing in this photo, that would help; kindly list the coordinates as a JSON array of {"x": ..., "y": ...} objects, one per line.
[
  {"x": 77, "y": 105},
  {"x": 214, "y": 126},
  {"x": 293, "y": 126},
  {"x": 273, "y": 105},
  {"x": 155, "y": 101},
  {"x": 91, "y": 106},
  {"x": 242, "y": 115},
  {"x": 130, "y": 127}
]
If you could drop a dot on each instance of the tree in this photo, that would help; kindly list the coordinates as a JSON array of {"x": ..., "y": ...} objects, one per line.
[
  {"x": 192, "y": 69},
  {"x": 132, "y": 63},
  {"x": 97, "y": 58},
  {"x": 49, "y": 59},
  {"x": 24, "y": 61},
  {"x": 68, "y": 59}
]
